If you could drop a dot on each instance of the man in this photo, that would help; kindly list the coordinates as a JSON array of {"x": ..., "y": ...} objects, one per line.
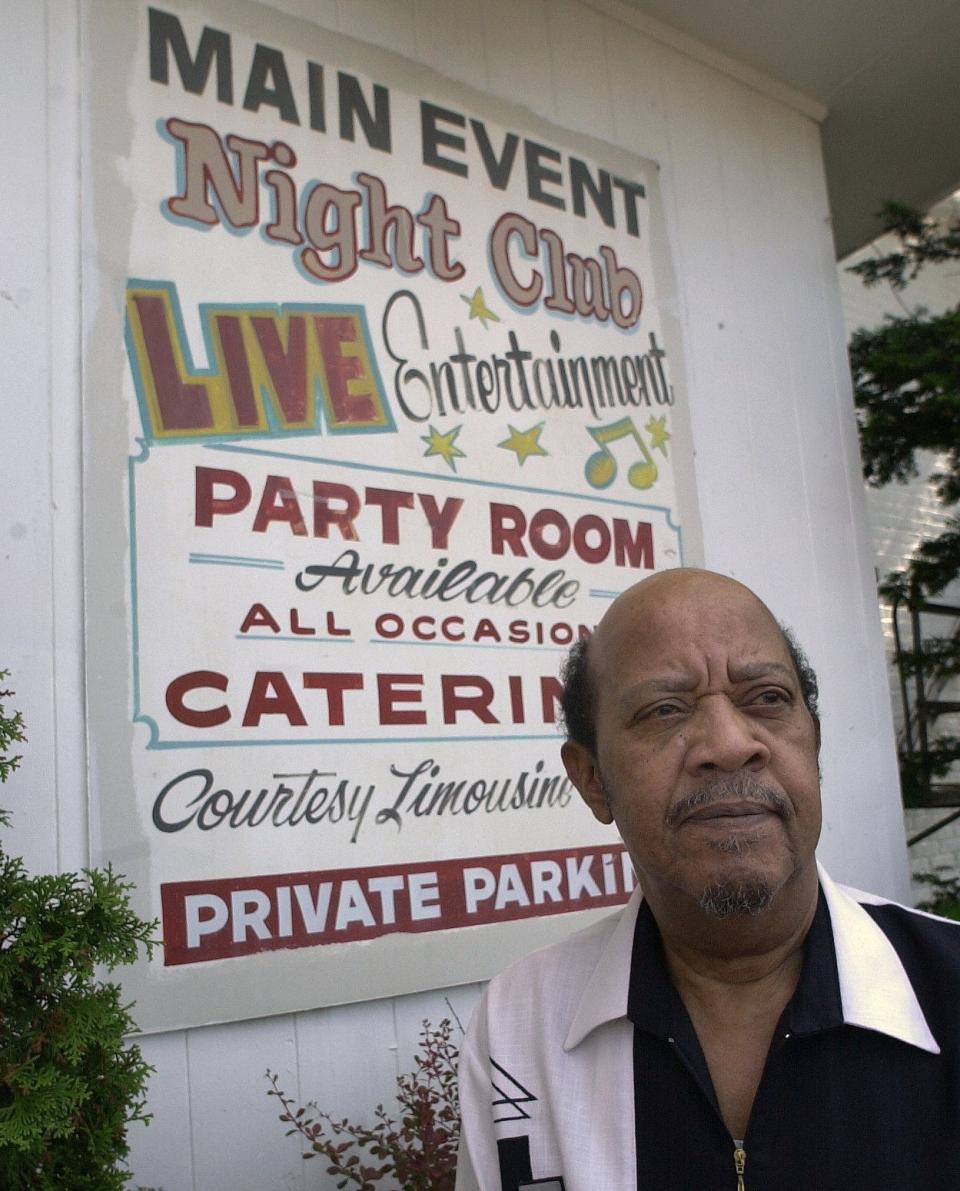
[{"x": 744, "y": 1023}]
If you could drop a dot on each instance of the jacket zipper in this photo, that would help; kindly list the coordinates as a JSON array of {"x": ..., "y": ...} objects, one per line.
[
  {"x": 740, "y": 1162},
  {"x": 739, "y": 1153}
]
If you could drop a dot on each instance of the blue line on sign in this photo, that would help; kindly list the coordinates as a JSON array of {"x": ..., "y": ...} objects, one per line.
[
  {"x": 272, "y": 562},
  {"x": 371, "y": 740},
  {"x": 464, "y": 644},
  {"x": 304, "y": 638},
  {"x": 236, "y": 562},
  {"x": 134, "y": 597},
  {"x": 599, "y": 594}
]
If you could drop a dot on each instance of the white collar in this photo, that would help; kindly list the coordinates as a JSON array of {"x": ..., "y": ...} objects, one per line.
[
  {"x": 604, "y": 996},
  {"x": 875, "y": 991}
]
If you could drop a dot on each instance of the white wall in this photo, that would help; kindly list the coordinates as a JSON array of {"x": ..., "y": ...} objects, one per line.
[{"x": 781, "y": 501}]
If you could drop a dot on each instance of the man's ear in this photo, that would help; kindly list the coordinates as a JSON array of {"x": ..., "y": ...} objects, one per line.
[{"x": 583, "y": 771}]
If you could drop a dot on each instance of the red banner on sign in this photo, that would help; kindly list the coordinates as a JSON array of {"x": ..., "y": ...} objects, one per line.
[{"x": 233, "y": 916}]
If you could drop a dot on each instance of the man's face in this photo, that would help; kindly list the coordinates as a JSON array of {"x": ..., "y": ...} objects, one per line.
[{"x": 706, "y": 754}]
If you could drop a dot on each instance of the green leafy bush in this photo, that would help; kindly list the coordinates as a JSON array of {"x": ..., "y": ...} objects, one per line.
[
  {"x": 906, "y": 376},
  {"x": 944, "y": 896},
  {"x": 418, "y": 1152},
  {"x": 68, "y": 1084},
  {"x": 11, "y": 733}
]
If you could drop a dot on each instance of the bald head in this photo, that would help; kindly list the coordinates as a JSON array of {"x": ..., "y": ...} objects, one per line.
[{"x": 692, "y": 596}]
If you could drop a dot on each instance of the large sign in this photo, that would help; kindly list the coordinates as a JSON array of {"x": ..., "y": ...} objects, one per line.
[{"x": 384, "y": 405}]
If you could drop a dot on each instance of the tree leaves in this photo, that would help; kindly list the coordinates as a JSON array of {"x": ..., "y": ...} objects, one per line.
[
  {"x": 906, "y": 376},
  {"x": 69, "y": 1083},
  {"x": 419, "y": 1151}
]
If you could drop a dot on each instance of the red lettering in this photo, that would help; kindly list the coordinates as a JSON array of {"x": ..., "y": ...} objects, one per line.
[
  {"x": 279, "y": 503},
  {"x": 551, "y": 692},
  {"x": 635, "y": 551},
  {"x": 440, "y": 519},
  {"x": 334, "y": 684},
  {"x": 230, "y": 333},
  {"x": 182, "y": 405},
  {"x": 456, "y": 699},
  {"x": 516, "y": 699},
  {"x": 389, "y": 502},
  {"x": 583, "y": 548},
  {"x": 324, "y": 516},
  {"x": 333, "y": 629},
  {"x": 207, "y": 506},
  {"x": 270, "y": 694},
  {"x": 194, "y": 681},
  {"x": 399, "y": 688},
  {"x": 259, "y": 618},
  {"x": 299, "y": 630},
  {"x": 354, "y": 400},
  {"x": 542, "y": 520},
  {"x": 287, "y": 369},
  {"x": 507, "y": 526}
]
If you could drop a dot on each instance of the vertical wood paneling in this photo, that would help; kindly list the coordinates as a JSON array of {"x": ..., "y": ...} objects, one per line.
[
  {"x": 63, "y": 143},
  {"x": 348, "y": 1059},
  {"x": 760, "y": 255},
  {"x": 386, "y": 23},
  {"x": 518, "y": 62},
  {"x": 636, "y": 98},
  {"x": 805, "y": 342},
  {"x": 161, "y": 1153},
  {"x": 26, "y": 561},
  {"x": 452, "y": 34},
  {"x": 238, "y": 1143},
  {"x": 325, "y": 13},
  {"x": 705, "y": 267},
  {"x": 411, "y": 1012},
  {"x": 581, "y": 88}
]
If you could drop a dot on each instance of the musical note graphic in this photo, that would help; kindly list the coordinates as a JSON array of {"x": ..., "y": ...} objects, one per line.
[{"x": 601, "y": 468}]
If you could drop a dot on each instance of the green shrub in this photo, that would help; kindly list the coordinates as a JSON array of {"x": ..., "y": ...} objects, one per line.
[
  {"x": 68, "y": 1084},
  {"x": 418, "y": 1152},
  {"x": 944, "y": 896}
]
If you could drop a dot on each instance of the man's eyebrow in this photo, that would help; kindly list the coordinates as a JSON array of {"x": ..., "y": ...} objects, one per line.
[
  {"x": 751, "y": 670},
  {"x": 664, "y": 684},
  {"x": 668, "y": 684}
]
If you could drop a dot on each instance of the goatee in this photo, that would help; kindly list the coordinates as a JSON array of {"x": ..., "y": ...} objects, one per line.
[{"x": 723, "y": 899}]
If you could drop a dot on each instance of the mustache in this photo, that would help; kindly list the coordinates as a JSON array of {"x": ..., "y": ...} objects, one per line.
[{"x": 737, "y": 787}]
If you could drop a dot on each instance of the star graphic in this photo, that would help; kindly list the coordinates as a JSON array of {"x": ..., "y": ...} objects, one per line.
[
  {"x": 524, "y": 442},
  {"x": 443, "y": 445},
  {"x": 478, "y": 307},
  {"x": 659, "y": 435}
]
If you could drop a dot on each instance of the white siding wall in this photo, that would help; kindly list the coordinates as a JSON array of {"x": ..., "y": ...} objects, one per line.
[{"x": 781, "y": 499}]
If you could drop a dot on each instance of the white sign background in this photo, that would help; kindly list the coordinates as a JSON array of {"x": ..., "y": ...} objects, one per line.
[{"x": 340, "y": 529}]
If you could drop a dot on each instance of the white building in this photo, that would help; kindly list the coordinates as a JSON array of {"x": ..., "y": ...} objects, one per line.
[{"x": 740, "y": 108}]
